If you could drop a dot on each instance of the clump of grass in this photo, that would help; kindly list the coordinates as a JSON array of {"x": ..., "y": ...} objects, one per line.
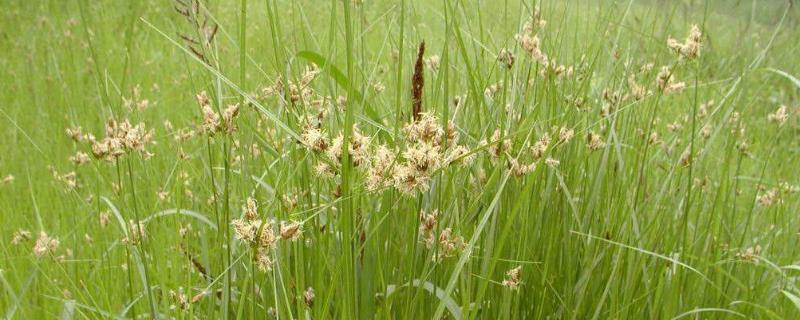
[{"x": 546, "y": 160}]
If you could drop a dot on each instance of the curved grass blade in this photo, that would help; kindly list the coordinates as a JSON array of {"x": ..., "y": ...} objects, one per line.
[
  {"x": 699, "y": 310},
  {"x": 200, "y": 217},
  {"x": 787, "y": 76},
  {"x": 792, "y": 297},
  {"x": 449, "y": 303}
]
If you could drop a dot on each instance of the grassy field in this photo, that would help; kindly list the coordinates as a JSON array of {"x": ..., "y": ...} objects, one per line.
[{"x": 399, "y": 159}]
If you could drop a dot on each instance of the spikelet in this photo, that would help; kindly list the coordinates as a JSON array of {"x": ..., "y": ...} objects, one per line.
[
  {"x": 79, "y": 158},
  {"x": 426, "y": 130},
  {"x": 263, "y": 260},
  {"x": 666, "y": 81},
  {"x": 291, "y": 230},
  {"x": 497, "y": 148},
  {"x": 594, "y": 141},
  {"x": 513, "y": 278},
  {"x": 540, "y": 147},
  {"x": 779, "y": 116},
  {"x": 308, "y": 297},
  {"x": 379, "y": 174},
  {"x": 519, "y": 169},
  {"x": 529, "y": 40},
  {"x": 690, "y": 48},
  {"x": 21, "y": 235},
  {"x": 427, "y": 227},
  {"x": 450, "y": 244},
  {"x": 136, "y": 233},
  {"x": 45, "y": 245},
  {"x": 228, "y": 118},
  {"x": 565, "y": 135},
  {"x": 314, "y": 139},
  {"x": 8, "y": 179},
  {"x": 459, "y": 155},
  {"x": 122, "y": 138},
  {"x": 506, "y": 58}
]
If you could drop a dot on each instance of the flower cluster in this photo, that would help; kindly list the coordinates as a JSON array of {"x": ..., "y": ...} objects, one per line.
[
  {"x": 136, "y": 102},
  {"x": 136, "y": 233},
  {"x": 408, "y": 169},
  {"x": 427, "y": 227},
  {"x": 513, "y": 278},
  {"x": 666, "y": 81},
  {"x": 259, "y": 234},
  {"x": 45, "y": 245},
  {"x": 528, "y": 38},
  {"x": 214, "y": 122},
  {"x": 779, "y": 116},
  {"x": 689, "y": 49},
  {"x": 297, "y": 91},
  {"x": 20, "y": 236},
  {"x": 121, "y": 138},
  {"x": 425, "y": 152}
]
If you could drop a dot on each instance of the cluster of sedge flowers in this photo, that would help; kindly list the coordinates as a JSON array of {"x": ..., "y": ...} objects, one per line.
[
  {"x": 408, "y": 169},
  {"x": 45, "y": 245},
  {"x": 687, "y": 50},
  {"x": 513, "y": 278},
  {"x": 121, "y": 138},
  {"x": 775, "y": 196},
  {"x": 213, "y": 121},
  {"x": 498, "y": 146},
  {"x": 448, "y": 244},
  {"x": 260, "y": 234},
  {"x": 633, "y": 91},
  {"x": 779, "y": 116},
  {"x": 529, "y": 40},
  {"x": 424, "y": 154},
  {"x": 136, "y": 233},
  {"x": 690, "y": 48},
  {"x": 296, "y": 91},
  {"x": 666, "y": 81}
]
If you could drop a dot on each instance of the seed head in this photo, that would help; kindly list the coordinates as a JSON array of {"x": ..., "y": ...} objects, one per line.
[
  {"x": 45, "y": 245},
  {"x": 689, "y": 49},
  {"x": 779, "y": 116},
  {"x": 666, "y": 81},
  {"x": 513, "y": 278},
  {"x": 250, "y": 209},
  {"x": 79, "y": 158},
  {"x": 314, "y": 139},
  {"x": 136, "y": 233},
  {"x": 291, "y": 230},
  {"x": 263, "y": 260},
  {"x": 21, "y": 235},
  {"x": 594, "y": 141},
  {"x": 565, "y": 135},
  {"x": 449, "y": 244},
  {"x": 506, "y": 58},
  {"x": 427, "y": 227},
  {"x": 308, "y": 297},
  {"x": 520, "y": 169}
]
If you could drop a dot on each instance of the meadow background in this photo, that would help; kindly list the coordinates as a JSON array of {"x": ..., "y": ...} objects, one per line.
[{"x": 584, "y": 189}]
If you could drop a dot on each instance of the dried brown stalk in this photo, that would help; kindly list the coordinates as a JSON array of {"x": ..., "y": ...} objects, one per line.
[{"x": 417, "y": 82}]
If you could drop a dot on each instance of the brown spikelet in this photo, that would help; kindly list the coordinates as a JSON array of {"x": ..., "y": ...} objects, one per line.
[
  {"x": 197, "y": 265},
  {"x": 203, "y": 28},
  {"x": 417, "y": 82}
]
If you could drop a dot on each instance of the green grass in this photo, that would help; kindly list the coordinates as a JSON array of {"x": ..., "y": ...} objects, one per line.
[{"x": 629, "y": 230}]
